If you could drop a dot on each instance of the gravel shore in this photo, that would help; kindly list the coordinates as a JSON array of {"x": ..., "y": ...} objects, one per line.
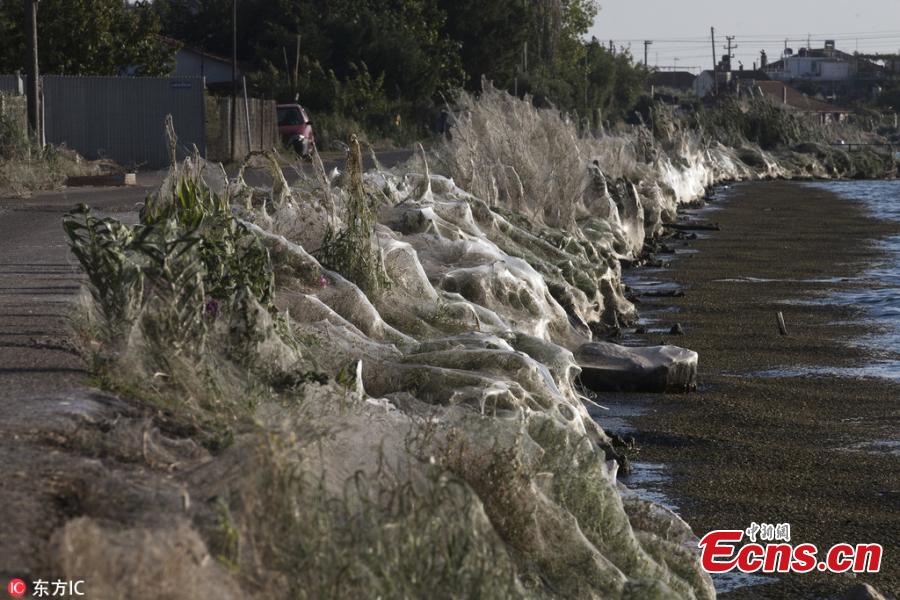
[{"x": 771, "y": 449}]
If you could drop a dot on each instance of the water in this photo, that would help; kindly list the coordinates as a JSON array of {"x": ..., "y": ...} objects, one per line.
[
  {"x": 650, "y": 481},
  {"x": 879, "y": 294},
  {"x": 877, "y": 290}
]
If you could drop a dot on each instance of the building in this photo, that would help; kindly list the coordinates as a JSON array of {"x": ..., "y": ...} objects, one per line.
[
  {"x": 795, "y": 100},
  {"x": 823, "y": 65},
  {"x": 675, "y": 80},
  {"x": 705, "y": 83},
  {"x": 194, "y": 62}
]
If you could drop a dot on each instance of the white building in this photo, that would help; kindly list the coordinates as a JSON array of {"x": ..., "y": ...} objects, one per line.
[{"x": 814, "y": 64}]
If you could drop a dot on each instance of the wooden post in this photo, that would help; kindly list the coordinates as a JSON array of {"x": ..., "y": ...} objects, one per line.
[
  {"x": 782, "y": 328},
  {"x": 234, "y": 81},
  {"x": 32, "y": 86},
  {"x": 712, "y": 35},
  {"x": 296, "y": 89},
  {"x": 247, "y": 114}
]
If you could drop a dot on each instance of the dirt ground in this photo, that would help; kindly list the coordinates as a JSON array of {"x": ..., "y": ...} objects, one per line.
[{"x": 746, "y": 448}]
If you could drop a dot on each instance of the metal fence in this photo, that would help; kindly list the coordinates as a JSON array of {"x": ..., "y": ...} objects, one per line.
[
  {"x": 122, "y": 118},
  {"x": 12, "y": 84}
]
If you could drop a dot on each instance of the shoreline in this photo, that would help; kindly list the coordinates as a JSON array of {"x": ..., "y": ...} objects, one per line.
[{"x": 767, "y": 449}]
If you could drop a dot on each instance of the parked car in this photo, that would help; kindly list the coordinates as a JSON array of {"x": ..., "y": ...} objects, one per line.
[{"x": 295, "y": 128}]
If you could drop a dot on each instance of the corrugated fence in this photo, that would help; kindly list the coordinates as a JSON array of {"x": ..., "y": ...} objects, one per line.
[
  {"x": 12, "y": 84},
  {"x": 122, "y": 118}
]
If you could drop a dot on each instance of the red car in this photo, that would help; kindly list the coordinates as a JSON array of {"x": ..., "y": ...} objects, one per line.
[{"x": 295, "y": 128}]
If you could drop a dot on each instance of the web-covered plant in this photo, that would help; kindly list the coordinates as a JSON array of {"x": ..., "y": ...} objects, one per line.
[
  {"x": 174, "y": 293},
  {"x": 353, "y": 251}
]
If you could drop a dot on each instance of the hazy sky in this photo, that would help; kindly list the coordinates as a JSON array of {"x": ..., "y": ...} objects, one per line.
[{"x": 680, "y": 28}]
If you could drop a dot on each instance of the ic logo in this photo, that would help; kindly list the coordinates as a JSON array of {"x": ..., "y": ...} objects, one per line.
[{"x": 17, "y": 588}]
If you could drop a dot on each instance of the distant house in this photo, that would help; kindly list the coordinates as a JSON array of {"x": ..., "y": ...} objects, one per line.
[
  {"x": 676, "y": 80},
  {"x": 705, "y": 83},
  {"x": 823, "y": 65},
  {"x": 795, "y": 100},
  {"x": 194, "y": 62}
]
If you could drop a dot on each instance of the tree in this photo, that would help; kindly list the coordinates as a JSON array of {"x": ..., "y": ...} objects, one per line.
[
  {"x": 492, "y": 38},
  {"x": 395, "y": 57},
  {"x": 87, "y": 37}
]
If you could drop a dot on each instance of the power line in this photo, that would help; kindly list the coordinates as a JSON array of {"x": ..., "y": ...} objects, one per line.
[{"x": 780, "y": 36}]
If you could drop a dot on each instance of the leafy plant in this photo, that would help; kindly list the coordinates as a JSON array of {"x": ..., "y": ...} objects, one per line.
[
  {"x": 173, "y": 322},
  {"x": 231, "y": 255},
  {"x": 116, "y": 278}
]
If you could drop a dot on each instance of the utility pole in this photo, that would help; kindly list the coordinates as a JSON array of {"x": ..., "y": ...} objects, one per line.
[
  {"x": 33, "y": 71},
  {"x": 712, "y": 34},
  {"x": 612, "y": 47},
  {"x": 647, "y": 44},
  {"x": 731, "y": 46},
  {"x": 234, "y": 81}
]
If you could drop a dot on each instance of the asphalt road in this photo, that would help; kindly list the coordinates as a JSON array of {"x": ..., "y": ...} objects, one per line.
[{"x": 38, "y": 282}]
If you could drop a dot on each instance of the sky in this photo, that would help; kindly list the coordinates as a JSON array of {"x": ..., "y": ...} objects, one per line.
[{"x": 680, "y": 32}]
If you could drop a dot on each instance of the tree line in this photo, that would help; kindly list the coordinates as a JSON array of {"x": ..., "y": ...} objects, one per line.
[{"x": 378, "y": 61}]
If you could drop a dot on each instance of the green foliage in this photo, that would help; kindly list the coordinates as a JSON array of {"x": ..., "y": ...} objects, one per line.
[
  {"x": 387, "y": 64},
  {"x": 26, "y": 167},
  {"x": 198, "y": 288},
  {"x": 87, "y": 37},
  {"x": 353, "y": 251},
  {"x": 172, "y": 321},
  {"x": 191, "y": 201},
  {"x": 232, "y": 257},
  {"x": 102, "y": 248},
  {"x": 13, "y": 141}
]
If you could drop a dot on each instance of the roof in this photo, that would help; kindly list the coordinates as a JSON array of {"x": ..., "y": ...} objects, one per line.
[
  {"x": 795, "y": 98},
  {"x": 181, "y": 46},
  {"x": 864, "y": 64},
  {"x": 750, "y": 75},
  {"x": 672, "y": 79}
]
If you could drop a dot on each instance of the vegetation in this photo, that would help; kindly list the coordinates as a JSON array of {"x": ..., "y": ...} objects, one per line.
[
  {"x": 384, "y": 67},
  {"x": 181, "y": 319},
  {"x": 389, "y": 65},
  {"x": 87, "y": 37},
  {"x": 353, "y": 251},
  {"x": 303, "y": 486},
  {"x": 25, "y": 167}
]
